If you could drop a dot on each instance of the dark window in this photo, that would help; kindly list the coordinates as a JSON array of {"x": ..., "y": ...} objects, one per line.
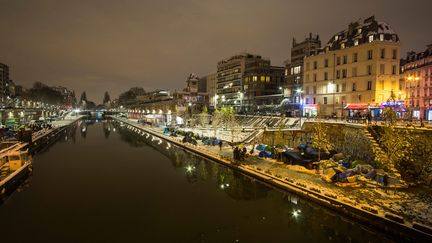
[
  {"x": 394, "y": 54},
  {"x": 370, "y": 54},
  {"x": 394, "y": 69},
  {"x": 325, "y": 100},
  {"x": 369, "y": 85},
  {"x": 337, "y": 87},
  {"x": 345, "y": 59},
  {"x": 383, "y": 53},
  {"x": 369, "y": 69},
  {"x": 325, "y": 76},
  {"x": 338, "y": 74},
  {"x": 354, "y": 87},
  {"x": 355, "y": 57},
  {"x": 325, "y": 62},
  {"x": 315, "y": 65},
  {"x": 338, "y": 61},
  {"x": 314, "y": 100},
  {"x": 344, "y": 73},
  {"x": 315, "y": 77}
]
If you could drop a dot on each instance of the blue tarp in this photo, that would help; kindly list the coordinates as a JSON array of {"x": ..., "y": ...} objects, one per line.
[
  {"x": 265, "y": 154},
  {"x": 261, "y": 147}
]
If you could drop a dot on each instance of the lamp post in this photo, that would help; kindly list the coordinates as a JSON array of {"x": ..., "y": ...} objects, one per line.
[{"x": 299, "y": 93}]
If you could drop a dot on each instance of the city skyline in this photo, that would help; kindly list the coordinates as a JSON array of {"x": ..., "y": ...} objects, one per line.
[{"x": 111, "y": 47}]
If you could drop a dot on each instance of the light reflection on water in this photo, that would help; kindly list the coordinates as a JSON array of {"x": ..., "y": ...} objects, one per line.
[{"x": 114, "y": 182}]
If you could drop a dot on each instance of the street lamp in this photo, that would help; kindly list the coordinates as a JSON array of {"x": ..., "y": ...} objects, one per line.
[{"x": 299, "y": 93}]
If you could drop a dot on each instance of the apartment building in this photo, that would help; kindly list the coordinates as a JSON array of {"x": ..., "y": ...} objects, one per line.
[
  {"x": 356, "y": 71},
  {"x": 417, "y": 76}
]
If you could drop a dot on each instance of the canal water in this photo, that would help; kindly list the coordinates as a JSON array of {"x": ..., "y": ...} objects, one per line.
[{"x": 105, "y": 182}]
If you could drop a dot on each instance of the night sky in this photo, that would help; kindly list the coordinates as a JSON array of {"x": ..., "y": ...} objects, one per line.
[{"x": 113, "y": 45}]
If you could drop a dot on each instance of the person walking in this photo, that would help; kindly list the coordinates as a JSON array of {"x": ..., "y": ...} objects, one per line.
[{"x": 220, "y": 145}]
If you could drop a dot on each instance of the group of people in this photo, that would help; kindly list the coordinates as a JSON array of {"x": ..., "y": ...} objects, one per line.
[{"x": 239, "y": 153}]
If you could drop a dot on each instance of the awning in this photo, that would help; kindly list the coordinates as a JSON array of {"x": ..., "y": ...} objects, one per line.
[{"x": 360, "y": 106}]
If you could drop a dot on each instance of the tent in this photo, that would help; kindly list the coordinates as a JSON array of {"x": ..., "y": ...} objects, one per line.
[{"x": 261, "y": 147}]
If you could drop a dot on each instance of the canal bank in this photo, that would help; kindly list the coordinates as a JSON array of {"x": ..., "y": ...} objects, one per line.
[
  {"x": 377, "y": 218},
  {"x": 104, "y": 182},
  {"x": 40, "y": 140}
]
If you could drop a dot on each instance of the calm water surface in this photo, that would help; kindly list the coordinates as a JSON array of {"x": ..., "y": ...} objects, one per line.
[{"x": 103, "y": 182}]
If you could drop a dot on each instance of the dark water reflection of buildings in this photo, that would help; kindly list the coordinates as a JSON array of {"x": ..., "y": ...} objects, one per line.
[
  {"x": 232, "y": 206},
  {"x": 311, "y": 218}
]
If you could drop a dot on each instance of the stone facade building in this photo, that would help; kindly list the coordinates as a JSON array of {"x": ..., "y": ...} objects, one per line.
[
  {"x": 417, "y": 76},
  {"x": 294, "y": 69},
  {"x": 356, "y": 71}
]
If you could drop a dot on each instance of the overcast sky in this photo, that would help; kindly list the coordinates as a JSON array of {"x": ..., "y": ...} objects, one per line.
[{"x": 111, "y": 45}]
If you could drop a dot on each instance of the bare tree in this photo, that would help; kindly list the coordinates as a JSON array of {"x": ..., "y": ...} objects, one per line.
[{"x": 320, "y": 138}]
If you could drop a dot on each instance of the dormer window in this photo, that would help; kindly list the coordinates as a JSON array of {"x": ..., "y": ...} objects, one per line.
[
  {"x": 343, "y": 46},
  {"x": 356, "y": 42},
  {"x": 336, "y": 38},
  {"x": 371, "y": 38},
  {"x": 359, "y": 31},
  {"x": 381, "y": 37}
]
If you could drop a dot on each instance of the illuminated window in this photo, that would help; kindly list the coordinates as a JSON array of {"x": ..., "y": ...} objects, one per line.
[
  {"x": 255, "y": 78},
  {"x": 267, "y": 78},
  {"x": 296, "y": 70},
  {"x": 343, "y": 46},
  {"x": 381, "y": 37},
  {"x": 356, "y": 42},
  {"x": 262, "y": 78},
  {"x": 371, "y": 38}
]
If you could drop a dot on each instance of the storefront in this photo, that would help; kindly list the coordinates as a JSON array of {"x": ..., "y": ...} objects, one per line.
[
  {"x": 360, "y": 109},
  {"x": 310, "y": 110},
  {"x": 398, "y": 106},
  {"x": 429, "y": 115}
]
